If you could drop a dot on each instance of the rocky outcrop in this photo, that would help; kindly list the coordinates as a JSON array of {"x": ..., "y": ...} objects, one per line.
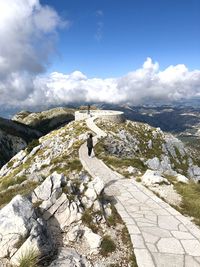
[
  {"x": 45, "y": 121},
  {"x": 20, "y": 230},
  {"x": 25, "y": 126},
  {"x": 148, "y": 148},
  {"x": 13, "y": 138},
  {"x": 161, "y": 186},
  {"x": 68, "y": 257},
  {"x": 48, "y": 219},
  {"x": 151, "y": 178}
]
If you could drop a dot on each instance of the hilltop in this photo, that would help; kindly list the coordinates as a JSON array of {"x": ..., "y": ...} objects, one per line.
[
  {"x": 26, "y": 126},
  {"x": 50, "y": 203}
]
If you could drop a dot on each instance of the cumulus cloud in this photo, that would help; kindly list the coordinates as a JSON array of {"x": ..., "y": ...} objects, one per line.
[
  {"x": 145, "y": 85},
  {"x": 26, "y": 35}
]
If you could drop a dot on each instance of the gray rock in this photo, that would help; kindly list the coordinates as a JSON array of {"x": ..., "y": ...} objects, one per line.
[
  {"x": 194, "y": 172},
  {"x": 16, "y": 220},
  {"x": 51, "y": 184},
  {"x": 68, "y": 257},
  {"x": 153, "y": 163},
  {"x": 151, "y": 178}
]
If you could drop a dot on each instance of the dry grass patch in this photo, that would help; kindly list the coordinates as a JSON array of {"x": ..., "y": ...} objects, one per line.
[
  {"x": 190, "y": 200},
  {"x": 7, "y": 196},
  {"x": 29, "y": 259}
]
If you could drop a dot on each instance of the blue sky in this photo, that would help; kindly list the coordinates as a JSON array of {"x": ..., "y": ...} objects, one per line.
[
  {"x": 57, "y": 52},
  {"x": 128, "y": 31}
]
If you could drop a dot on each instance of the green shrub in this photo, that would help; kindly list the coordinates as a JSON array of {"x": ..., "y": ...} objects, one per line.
[
  {"x": 9, "y": 181},
  {"x": 190, "y": 199},
  {"x": 32, "y": 144},
  {"x": 29, "y": 258},
  {"x": 87, "y": 219},
  {"x": 107, "y": 246}
]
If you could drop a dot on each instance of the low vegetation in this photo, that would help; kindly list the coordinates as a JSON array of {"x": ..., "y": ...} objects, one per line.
[
  {"x": 190, "y": 200},
  {"x": 21, "y": 190},
  {"x": 29, "y": 259},
  {"x": 107, "y": 246},
  {"x": 31, "y": 145}
]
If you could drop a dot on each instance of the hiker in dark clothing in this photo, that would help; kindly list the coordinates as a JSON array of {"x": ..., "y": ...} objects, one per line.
[
  {"x": 90, "y": 145},
  {"x": 88, "y": 109}
]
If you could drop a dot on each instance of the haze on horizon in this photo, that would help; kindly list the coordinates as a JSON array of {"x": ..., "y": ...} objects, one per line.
[{"x": 137, "y": 52}]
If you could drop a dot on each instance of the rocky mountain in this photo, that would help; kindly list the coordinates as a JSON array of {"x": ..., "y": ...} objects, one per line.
[
  {"x": 45, "y": 121},
  {"x": 25, "y": 126},
  {"x": 14, "y": 137},
  {"x": 51, "y": 208},
  {"x": 143, "y": 147},
  {"x": 180, "y": 120},
  {"x": 54, "y": 214}
]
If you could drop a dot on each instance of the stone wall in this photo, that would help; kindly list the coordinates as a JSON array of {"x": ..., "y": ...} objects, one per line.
[{"x": 108, "y": 115}]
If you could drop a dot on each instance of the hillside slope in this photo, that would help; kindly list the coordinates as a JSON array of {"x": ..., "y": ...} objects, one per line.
[
  {"x": 50, "y": 206},
  {"x": 142, "y": 146},
  {"x": 45, "y": 121},
  {"x": 14, "y": 136},
  {"x": 54, "y": 209}
]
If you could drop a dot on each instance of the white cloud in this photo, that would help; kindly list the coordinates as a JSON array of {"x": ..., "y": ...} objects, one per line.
[
  {"x": 141, "y": 86},
  {"x": 137, "y": 87},
  {"x": 27, "y": 33}
]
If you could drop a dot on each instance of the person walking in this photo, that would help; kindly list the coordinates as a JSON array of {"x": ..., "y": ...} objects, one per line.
[
  {"x": 88, "y": 109},
  {"x": 90, "y": 145}
]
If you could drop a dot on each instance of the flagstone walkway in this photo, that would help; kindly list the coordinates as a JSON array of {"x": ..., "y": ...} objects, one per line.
[{"x": 160, "y": 235}]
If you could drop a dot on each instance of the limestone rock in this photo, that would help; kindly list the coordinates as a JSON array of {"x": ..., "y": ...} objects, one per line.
[
  {"x": 68, "y": 257},
  {"x": 93, "y": 240},
  {"x": 194, "y": 172},
  {"x": 38, "y": 241},
  {"x": 51, "y": 185},
  {"x": 151, "y": 178},
  {"x": 16, "y": 220},
  {"x": 96, "y": 184},
  {"x": 181, "y": 178},
  {"x": 153, "y": 163}
]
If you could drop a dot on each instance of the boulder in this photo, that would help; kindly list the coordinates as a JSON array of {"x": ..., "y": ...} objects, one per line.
[
  {"x": 181, "y": 178},
  {"x": 68, "y": 257},
  {"x": 153, "y": 163},
  {"x": 151, "y": 178},
  {"x": 38, "y": 241},
  {"x": 49, "y": 187},
  {"x": 93, "y": 240},
  {"x": 16, "y": 221},
  {"x": 96, "y": 184},
  {"x": 194, "y": 172}
]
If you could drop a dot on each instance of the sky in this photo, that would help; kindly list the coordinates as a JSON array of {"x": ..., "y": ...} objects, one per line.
[{"x": 56, "y": 52}]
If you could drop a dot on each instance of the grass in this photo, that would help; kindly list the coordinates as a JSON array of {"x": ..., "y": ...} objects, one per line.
[
  {"x": 9, "y": 181},
  {"x": 127, "y": 240},
  {"x": 32, "y": 144},
  {"x": 87, "y": 219},
  {"x": 29, "y": 258},
  {"x": 190, "y": 194},
  {"x": 190, "y": 200},
  {"x": 114, "y": 218},
  {"x": 10, "y": 193},
  {"x": 107, "y": 246}
]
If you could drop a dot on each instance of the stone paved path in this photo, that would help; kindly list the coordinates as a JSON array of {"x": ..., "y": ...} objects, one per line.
[{"x": 160, "y": 235}]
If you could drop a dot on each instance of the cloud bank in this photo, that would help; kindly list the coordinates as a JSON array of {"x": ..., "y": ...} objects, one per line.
[
  {"x": 27, "y": 36},
  {"x": 145, "y": 85}
]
